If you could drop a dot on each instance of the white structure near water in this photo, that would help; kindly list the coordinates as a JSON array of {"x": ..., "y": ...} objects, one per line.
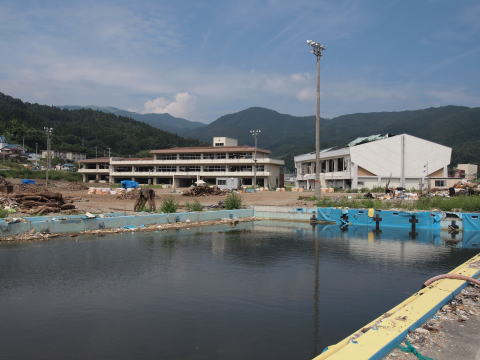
[
  {"x": 401, "y": 160},
  {"x": 225, "y": 164}
]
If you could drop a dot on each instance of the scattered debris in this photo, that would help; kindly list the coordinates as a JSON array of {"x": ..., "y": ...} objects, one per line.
[
  {"x": 37, "y": 203},
  {"x": 205, "y": 191}
]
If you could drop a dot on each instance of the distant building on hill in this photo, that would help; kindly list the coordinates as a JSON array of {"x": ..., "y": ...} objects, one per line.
[
  {"x": 65, "y": 155},
  {"x": 401, "y": 161},
  {"x": 223, "y": 164},
  {"x": 10, "y": 150}
]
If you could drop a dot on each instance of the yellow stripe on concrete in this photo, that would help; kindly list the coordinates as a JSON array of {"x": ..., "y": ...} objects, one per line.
[{"x": 376, "y": 338}]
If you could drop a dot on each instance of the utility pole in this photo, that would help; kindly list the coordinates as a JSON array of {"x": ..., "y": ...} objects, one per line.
[
  {"x": 255, "y": 133},
  {"x": 96, "y": 152},
  {"x": 109, "y": 152},
  {"x": 36, "y": 153},
  {"x": 48, "y": 132},
  {"x": 317, "y": 50}
]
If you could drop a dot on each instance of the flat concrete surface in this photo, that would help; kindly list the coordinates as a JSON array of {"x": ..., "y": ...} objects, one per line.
[{"x": 453, "y": 333}]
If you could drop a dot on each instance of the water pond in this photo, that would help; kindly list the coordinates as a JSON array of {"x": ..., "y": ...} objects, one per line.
[{"x": 263, "y": 290}]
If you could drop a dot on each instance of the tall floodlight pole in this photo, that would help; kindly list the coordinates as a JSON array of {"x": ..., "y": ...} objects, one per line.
[
  {"x": 317, "y": 50},
  {"x": 255, "y": 133},
  {"x": 48, "y": 132}
]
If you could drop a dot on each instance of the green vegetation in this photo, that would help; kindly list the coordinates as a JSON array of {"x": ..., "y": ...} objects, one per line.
[
  {"x": 81, "y": 130},
  {"x": 280, "y": 131},
  {"x": 169, "y": 205},
  {"x": 4, "y": 213},
  {"x": 22, "y": 173},
  {"x": 233, "y": 201},
  {"x": 464, "y": 203},
  {"x": 194, "y": 206}
]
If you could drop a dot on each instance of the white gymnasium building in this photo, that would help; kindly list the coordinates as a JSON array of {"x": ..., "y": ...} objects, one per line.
[{"x": 404, "y": 160}]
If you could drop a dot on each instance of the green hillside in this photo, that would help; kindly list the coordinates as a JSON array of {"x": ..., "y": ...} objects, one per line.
[
  {"x": 288, "y": 135},
  {"x": 81, "y": 130},
  {"x": 164, "y": 121}
]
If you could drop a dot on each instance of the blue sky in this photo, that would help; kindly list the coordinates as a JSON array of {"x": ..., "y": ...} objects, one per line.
[{"x": 203, "y": 59}]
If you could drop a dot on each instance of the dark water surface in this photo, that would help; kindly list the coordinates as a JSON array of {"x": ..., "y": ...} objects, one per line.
[{"x": 269, "y": 290}]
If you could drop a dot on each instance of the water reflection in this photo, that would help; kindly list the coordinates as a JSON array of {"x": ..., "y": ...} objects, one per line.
[{"x": 259, "y": 290}]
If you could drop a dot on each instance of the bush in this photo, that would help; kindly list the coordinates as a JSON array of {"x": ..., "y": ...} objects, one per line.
[
  {"x": 23, "y": 173},
  {"x": 169, "y": 205},
  {"x": 194, "y": 206},
  {"x": 233, "y": 201},
  {"x": 3, "y": 213}
]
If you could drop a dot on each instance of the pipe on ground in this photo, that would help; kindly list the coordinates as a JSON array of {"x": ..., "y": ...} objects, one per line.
[{"x": 451, "y": 276}]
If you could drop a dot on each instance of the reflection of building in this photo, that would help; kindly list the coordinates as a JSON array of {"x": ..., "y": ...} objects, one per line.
[
  {"x": 65, "y": 155},
  {"x": 223, "y": 163},
  {"x": 401, "y": 160}
]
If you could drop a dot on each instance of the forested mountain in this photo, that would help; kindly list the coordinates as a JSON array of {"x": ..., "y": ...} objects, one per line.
[
  {"x": 288, "y": 135},
  {"x": 164, "y": 122},
  {"x": 81, "y": 130}
]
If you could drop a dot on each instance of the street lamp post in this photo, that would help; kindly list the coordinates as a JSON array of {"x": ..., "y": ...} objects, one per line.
[
  {"x": 48, "y": 132},
  {"x": 255, "y": 133},
  {"x": 317, "y": 50}
]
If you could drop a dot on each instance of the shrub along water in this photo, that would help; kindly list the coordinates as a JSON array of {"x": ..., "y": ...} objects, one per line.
[
  {"x": 233, "y": 201},
  {"x": 169, "y": 205},
  {"x": 194, "y": 206}
]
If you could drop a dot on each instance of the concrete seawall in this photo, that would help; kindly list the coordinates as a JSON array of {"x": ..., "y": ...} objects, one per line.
[{"x": 80, "y": 223}]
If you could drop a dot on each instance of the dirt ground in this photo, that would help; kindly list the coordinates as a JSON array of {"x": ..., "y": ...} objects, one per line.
[{"x": 109, "y": 203}]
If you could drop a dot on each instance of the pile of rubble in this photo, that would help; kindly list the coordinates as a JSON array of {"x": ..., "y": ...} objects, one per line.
[
  {"x": 39, "y": 203},
  {"x": 204, "y": 191},
  {"x": 462, "y": 187},
  {"x": 130, "y": 195}
]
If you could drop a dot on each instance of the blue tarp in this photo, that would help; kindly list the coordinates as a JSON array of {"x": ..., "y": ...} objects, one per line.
[
  {"x": 126, "y": 184},
  {"x": 28, "y": 181}
]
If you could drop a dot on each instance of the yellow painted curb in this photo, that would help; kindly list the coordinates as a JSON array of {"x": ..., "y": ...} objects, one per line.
[{"x": 377, "y": 338}]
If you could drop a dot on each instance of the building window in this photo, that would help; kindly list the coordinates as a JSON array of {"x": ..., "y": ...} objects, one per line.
[
  {"x": 209, "y": 156},
  {"x": 360, "y": 183},
  {"x": 220, "y": 156},
  {"x": 214, "y": 168},
  {"x": 340, "y": 164},
  {"x": 193, "y": 156},
  {"x": 219, "y": 144},
  {"x": 166, "y": 156},
  {"x": 260, "y": 168},
  {"x": 439, "y": 183},
  {"x": 242, "y": 155},
  {"x": 166, "y": 168},
  {"x": 240, "y": 168},
  {"x": 188, "y": 168},
  {"x": 221, "y": 182}
]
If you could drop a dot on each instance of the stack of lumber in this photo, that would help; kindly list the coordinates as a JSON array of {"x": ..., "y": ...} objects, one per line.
[{"x": 42, "y": 203}]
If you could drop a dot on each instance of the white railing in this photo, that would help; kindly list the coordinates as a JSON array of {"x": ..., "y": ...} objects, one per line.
[
  {"x": 197, "y": 162},
  {"x": 92, "y": 171},
  {"x": 189, "y": 173}
]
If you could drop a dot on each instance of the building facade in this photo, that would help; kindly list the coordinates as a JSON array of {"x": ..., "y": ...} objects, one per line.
[
  {"x": 65, "y": 155},
  {"x": 401, "y": 161},
  {"x": 224, "y": 163}
]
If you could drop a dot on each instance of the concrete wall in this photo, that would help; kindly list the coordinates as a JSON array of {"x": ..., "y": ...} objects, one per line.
[{"x": 79, "y": 223}]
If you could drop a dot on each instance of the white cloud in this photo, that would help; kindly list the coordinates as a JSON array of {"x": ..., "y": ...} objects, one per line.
[{"x": 182, "y": 106}]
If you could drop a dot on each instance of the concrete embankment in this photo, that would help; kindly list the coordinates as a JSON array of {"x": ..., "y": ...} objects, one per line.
[
  {"x": 378, "y": 338},
  {"x": 9, "y": 229}
]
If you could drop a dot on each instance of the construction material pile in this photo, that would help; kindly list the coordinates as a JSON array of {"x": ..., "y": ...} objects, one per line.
[
  {"x": 463, "y": 187},
  {"x": 129, "y": 195},
  {"x": 30, "y": 188},
  {"x": 204, "y": 191},
  {"x": 40, "y": 203}
]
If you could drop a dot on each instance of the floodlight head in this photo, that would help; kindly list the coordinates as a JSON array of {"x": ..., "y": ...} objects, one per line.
[{"x": 309, "y": 42}]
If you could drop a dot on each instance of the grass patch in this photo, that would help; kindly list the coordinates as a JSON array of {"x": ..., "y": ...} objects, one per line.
[
  {"x": 169, "y": 205},
  {"x": 233, "y": 201},
  {"x": 465, "y": 203},
  {"x": 194, "y": 206},
  {"x": 4, "y": 213},
  {"x": 22, "y": 173}
]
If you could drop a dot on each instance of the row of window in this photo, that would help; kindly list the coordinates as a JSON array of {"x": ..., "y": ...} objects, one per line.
[
  {"x": 189, "y": 168},
  {"x": 198, "y": 156}
]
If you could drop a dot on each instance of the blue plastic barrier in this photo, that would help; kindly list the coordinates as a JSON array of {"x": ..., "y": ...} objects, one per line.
[
  {"x": 129, "y": 184},
  {"x": 28, "y": 181},
  {"x": 471, "y": 222}
]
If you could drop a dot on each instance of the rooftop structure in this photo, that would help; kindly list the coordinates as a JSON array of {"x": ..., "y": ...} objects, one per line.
[
  {"x": 399, "y": 160},
  {"x": 223, "y": 164}
]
